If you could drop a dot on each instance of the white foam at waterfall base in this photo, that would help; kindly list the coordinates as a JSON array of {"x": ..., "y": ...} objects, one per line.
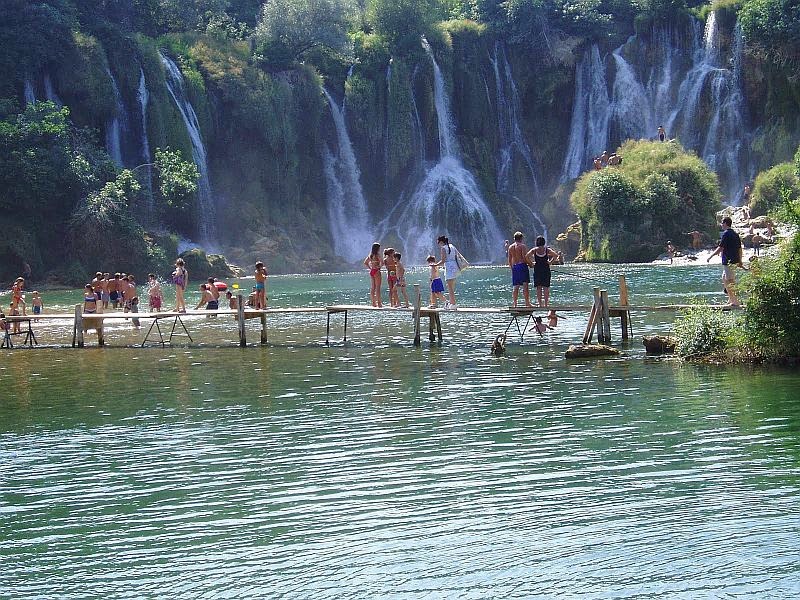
[
  {"x": 206, "y": 209},
  {"x": 448, "y": 201},
  {"x": 348, "y": 215}
]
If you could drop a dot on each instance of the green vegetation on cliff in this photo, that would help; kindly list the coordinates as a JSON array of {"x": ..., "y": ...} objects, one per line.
[{"x": 660, "y": 192}]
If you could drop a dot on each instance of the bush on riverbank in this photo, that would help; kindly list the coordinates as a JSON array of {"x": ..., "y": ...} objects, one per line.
[
  {"x": 769, "y": 186},
  {"x": 660, "y": 192}
]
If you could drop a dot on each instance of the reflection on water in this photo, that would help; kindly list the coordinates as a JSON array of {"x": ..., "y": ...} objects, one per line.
[{"x": 377, "y": 470}]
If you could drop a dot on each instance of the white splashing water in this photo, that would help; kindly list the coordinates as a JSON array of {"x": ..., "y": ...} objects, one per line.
[
  {"x": 512, "y": 140},
  {"x": 448, "y": 201},
  {"x": 117, "y": 125},
  {"x": 143, "y": 95},
  {"x": 590, "y": 115},
  {"x": 348, "y": 215},
  {"x": 205, "y": 198}
]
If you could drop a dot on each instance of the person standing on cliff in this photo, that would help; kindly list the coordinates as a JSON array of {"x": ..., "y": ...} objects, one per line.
[
  {"x": 520, "y": 273},
  {"x": 730, "y": 245}
]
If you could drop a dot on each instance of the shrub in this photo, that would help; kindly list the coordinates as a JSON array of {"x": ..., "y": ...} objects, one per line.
[
  {"x": 768, "y": 188},
  {"x": 701, "y": 330}
]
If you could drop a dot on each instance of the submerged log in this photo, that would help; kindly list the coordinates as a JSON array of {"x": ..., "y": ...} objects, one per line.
[
  {"x": 591, "y": 351},
  {"x": 659, "y": 344}
]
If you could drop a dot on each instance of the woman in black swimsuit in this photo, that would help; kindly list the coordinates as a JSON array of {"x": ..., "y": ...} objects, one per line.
[{"x": 543, "y": 257}]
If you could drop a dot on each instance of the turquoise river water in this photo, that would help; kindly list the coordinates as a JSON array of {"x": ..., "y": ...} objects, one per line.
[{"x": 379, "y": 470}]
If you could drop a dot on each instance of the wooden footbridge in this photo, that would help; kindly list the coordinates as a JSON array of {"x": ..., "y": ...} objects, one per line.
[{"x": 164, "y": 326}]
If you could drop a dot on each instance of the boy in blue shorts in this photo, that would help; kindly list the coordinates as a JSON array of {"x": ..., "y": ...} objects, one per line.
[{"x": 437, "y": 287}]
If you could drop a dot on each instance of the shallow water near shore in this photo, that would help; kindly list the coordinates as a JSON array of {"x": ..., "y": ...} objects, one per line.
[{"x": 375, "y": 469}]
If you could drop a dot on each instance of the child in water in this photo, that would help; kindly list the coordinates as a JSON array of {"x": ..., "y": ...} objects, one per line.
[
  {"x": 540, "y": 326},
  {"x": 552, "y": 319},
  {"x": 437, "y": 287},
  {"x": 38, "y": 305}
]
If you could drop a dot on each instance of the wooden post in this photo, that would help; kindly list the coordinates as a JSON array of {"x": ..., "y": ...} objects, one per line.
[
  {"x": 438, "y": 328},
  {"x": 431, "y": 336},
  {"x": 79, "y": 324},
  {"x": 263, "y": 328},
  {"x": 417, "y": 310},
  {"x": 598, "y": 319},
  {"x": 623, "y": 291},
  {"x": 240, "y": 318},
  {"x": 606, "y": 317},
  {"x": 623, "y": 318},
  {"x": 587, "y": 334}
]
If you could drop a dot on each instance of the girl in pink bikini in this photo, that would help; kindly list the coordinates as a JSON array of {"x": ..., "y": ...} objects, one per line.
[{"x": 373, "y": 263}]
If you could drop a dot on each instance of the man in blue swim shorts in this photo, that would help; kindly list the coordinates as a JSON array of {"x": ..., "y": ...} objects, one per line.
[{"x": 520, "y": 274}]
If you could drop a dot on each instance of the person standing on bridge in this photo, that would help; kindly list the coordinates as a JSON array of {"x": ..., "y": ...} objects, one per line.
[
  {"x": 543, "y": 256},
  {"x": 180, "y": 277},
  {"x": 450, "y": 258},
  {"x": 520, "y": 273},
  {"x": 730, "y": 245}
]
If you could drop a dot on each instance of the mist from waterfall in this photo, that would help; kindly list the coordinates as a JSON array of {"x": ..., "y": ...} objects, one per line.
[
  {"x": 513, "y": 142},
  {"x": 348, "y": 214},
  {"x": 448, "y": 200},
  {"x": 695, "y": 93},
  {"x": 206, "y": 208}
]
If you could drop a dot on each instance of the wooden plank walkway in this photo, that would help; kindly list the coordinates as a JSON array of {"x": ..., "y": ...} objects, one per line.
[{"x": 600, "y": 312}]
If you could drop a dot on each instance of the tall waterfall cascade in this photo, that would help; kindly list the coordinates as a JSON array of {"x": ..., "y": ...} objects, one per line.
[
  {"x": 28, "y": 93},
  {"x": 117, "y": 126},
  {"x": 512, "y": 141},
  {"x": 50, "y": 91},
  {"x": 205, "y": 198},
  {"x": 694, "y": 90},
  {"x": 448, "y": 200},
  {"x": 143, "y": 95},
  {"x": 348, "y": 214}
]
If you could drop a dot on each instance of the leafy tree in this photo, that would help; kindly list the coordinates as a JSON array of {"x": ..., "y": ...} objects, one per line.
[
  {"x": 177, "y": 178},
  {"x": 773, "y": 26},
  {"x": 289, "y": 29},
  {"x": 402, "y": 21},
  {"x": 770, "y": 186}
]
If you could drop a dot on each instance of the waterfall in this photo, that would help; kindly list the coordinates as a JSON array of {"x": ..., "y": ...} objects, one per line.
[
  {"x": 590, "y": 115},
  {"x": 143, "y": 96},
  {"x": 448, "y": 200},
  {"x": 348, "y": 215},
  {"x": 205, "y": 200},
  {"x": 29, "y": 94},
  {"x": 50, "y": 91},
  {"x": 512, "y": 140},
  {"x": 116, "y": 126},
  {"x": 696, "y": 93}
]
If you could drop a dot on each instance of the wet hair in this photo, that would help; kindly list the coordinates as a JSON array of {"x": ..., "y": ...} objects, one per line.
[
  {"x": 229, "y": 294},
  {"x": 538, "y": 319},
  {"x": 210, "y": 280},
  {"x": 179, "y": 262},
  {"x": 442, "y": 239},
  {"x": 376, "y": 247},
  {"x": 397, "y": 255},
  {"x": 259, "y": 265},
  {"x": 540, "y": 240},
  {"x": 518, "y": 236},
  {"x": 727, "y": 221},
  {"x": 430, "y": 258},
  {"x": 151, "y": 276}
]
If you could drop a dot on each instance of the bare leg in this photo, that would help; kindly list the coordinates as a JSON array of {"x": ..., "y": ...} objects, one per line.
[
  {"x": 539, "y": 294},
  {"x": 451, "y": 286},
  {"x": 526, "y": 292},
  {"x": 546, "y": 296},
  {"x": 514, "y": 295}
]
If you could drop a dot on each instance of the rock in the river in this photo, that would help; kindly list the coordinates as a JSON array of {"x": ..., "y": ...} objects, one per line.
[
  {"x": 659, "y": 344},
  {"x": 591, "y": 351},
  {"x": 201, "y": 265}
]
